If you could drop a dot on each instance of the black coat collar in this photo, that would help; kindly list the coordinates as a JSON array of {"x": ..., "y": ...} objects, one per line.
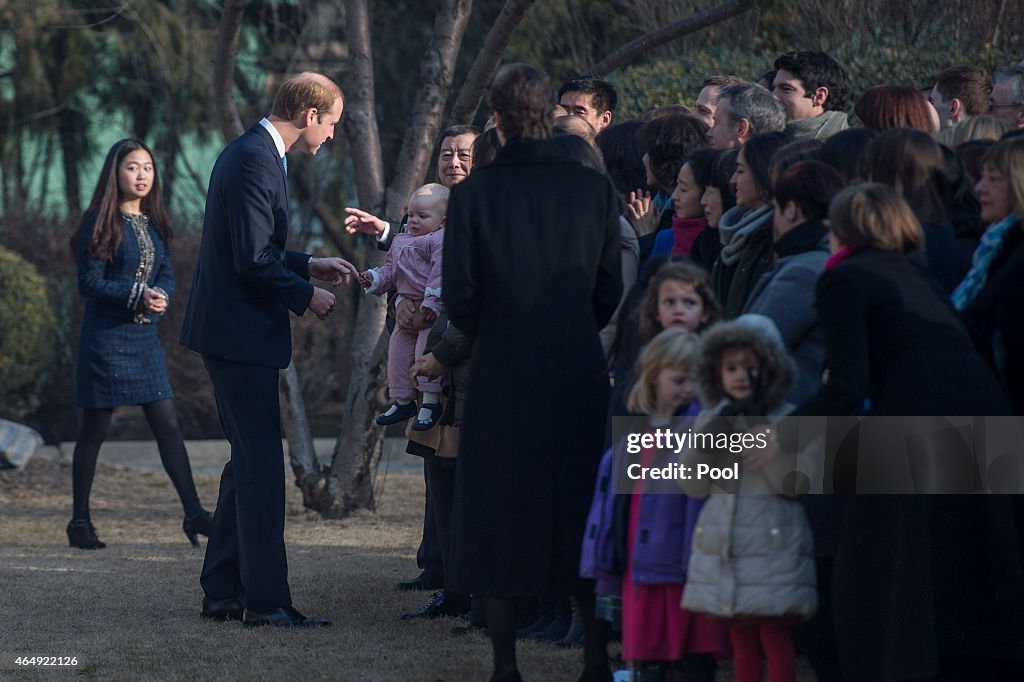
[{"x": 802, "y": 238}]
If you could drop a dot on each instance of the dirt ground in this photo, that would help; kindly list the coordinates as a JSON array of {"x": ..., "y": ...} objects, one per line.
[{"x": 131, "y": 611}]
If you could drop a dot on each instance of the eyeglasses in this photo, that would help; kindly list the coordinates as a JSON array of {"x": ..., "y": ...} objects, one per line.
[{"x": 992, "y": 105}]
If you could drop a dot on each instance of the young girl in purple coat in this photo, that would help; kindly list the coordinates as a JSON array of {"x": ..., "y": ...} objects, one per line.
[{"x": 660, "y": 527}]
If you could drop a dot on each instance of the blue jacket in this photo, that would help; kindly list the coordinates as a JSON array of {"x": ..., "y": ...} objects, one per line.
[{"x": 663, "y": 534}]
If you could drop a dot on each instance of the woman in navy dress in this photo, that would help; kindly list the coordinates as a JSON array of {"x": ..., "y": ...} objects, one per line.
[{"x": 125, "y": 276}]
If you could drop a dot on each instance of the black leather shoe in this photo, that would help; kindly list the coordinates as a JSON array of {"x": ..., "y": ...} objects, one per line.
[
  {"x": 402, "y": 413},
  {"x": 440, "y": 605},
  {"x": 284, "y": 617},
  {"x": 223, "y": 609},
  {"x": 423, "y": 581},
  {"x": 82, "y": 535},
  {"x": 200, "y": 524}
]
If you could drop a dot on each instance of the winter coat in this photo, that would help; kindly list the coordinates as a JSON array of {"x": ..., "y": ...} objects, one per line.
[
  {"x": 892, "y": 336},
  {"x": 746, "y": 254},
  {"x": 994, "y": 318},
  {"x": 630, "y": 266},
  {"x": 532, "y": 272},
  {"x": 412, "y": 267},
  {"x": 785, "y": 294},
  {"x": 752, "y": 552},
  {"x": 453, "y": 351},
  {"x": 661, "y": 550}
]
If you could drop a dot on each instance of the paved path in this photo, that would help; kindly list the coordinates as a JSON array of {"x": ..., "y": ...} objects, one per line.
[{"x": 208, "y": 456}]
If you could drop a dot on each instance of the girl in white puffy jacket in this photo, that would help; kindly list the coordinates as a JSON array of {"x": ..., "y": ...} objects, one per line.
[{"x": 752, "y": 559}]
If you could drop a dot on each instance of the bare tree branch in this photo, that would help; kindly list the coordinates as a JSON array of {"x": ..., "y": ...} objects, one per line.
[
  {"x": 224, "y": 69},
  {"x": 627, "y": 53},
  {"x": 487, "y": 60},
  {"x": 435, "y": 78}
]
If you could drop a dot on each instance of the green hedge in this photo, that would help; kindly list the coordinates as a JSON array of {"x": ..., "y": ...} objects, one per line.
[
  {"x": 868, "y": 61},
  {"x": 28, "y": 329}
]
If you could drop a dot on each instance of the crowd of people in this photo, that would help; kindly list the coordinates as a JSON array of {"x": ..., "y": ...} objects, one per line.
[{"x": 756, "y": 256}]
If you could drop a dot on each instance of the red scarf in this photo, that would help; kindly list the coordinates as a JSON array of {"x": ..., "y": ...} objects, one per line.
[
  {"x": 685, "y": 231},
  {"x": 841, "y": 255}
]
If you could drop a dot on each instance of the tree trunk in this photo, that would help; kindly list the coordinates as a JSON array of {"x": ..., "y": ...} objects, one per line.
[
  {"x": 360, "y": 441},
  {"x": 645, "y": 43},
  {"x": 435, "y": 78},
  {"x": 224, "y": 69},
  {"x": 301, "y": 451},
  {"x": 487, "y": 60}
]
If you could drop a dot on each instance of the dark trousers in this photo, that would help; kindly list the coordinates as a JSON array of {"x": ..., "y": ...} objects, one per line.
[
  {"x": 245, "y": 554},
  {"x": 440, "y": 475},
  {"x": 428, "y": 556}
]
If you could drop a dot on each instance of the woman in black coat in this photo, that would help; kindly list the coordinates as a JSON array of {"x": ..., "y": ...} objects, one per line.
[
  {"x": 531, "y": 274},
  {"x": 922, "y": 585},
  {"x": 991, "y": 297},
  {"x": 126, "y": 279}
]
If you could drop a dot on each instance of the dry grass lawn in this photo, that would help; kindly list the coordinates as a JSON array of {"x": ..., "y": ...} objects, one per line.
[{"x": 130, "y": 611}]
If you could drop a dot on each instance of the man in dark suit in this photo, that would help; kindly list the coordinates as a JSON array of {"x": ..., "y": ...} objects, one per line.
[{"x": 245, "y": 283}]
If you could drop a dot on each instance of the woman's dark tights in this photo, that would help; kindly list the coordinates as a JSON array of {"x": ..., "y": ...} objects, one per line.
[
  {"x": 501, "y": 626},
  {"x": 163, "y": 422}
]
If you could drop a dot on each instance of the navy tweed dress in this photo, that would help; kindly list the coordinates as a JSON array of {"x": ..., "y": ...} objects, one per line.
[{"x": 120, "y": 360}]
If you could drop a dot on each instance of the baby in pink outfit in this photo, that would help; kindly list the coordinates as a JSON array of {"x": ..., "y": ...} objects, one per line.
[{"x": 412, "y": 267}]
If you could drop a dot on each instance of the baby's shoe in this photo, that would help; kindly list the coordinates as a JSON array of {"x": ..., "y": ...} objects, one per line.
[
  {"x": 425, "y": 422},
  {"x": 396, "y": 413}
]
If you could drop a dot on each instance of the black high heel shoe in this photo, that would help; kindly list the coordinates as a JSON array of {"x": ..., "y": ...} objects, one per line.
[
  {"x": 200, "y": 524},
  {"x": 82, "y": 535}
]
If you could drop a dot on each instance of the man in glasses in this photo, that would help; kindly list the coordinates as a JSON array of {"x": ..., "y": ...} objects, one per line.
[{"x": 1007, "y": 99}]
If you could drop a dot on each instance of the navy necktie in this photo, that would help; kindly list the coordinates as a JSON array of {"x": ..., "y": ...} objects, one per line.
[{"x": 284, "y": 164}]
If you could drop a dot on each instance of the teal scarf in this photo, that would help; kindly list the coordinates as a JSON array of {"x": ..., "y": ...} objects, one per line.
[{"x": 990, "y": 246}]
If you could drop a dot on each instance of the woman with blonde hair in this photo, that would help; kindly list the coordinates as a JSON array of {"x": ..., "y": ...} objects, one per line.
[{"x": 991, "y": 297}]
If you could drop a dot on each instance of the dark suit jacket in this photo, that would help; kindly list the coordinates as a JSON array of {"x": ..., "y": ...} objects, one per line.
[{"x": 245, "y": 281}]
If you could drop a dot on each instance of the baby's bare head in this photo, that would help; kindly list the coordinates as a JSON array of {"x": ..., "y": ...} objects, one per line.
[
  {"x": 428, "y": 206},
  {"x": 432, "y": 194}
]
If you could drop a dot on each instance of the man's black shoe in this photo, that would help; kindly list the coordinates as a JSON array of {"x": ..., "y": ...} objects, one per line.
[
  {"x": 440, "y": 606},
  {"x": 223, "y": 609},
  {"x": 284, "y": 617},
  {"x": 422, "y": 582}
]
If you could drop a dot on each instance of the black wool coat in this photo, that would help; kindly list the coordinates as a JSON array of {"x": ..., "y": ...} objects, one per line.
[
  {"x": 995, "y": 318},
  {"x": 892, "y": 336},
  {"x": 531, "y": 273},
  {"x": 918, "y": 579}
]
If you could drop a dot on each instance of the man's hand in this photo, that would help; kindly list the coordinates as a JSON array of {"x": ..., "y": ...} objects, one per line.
[
  {"x": 429, "y": 314},
  {"x": 322, "y": 303},
  {"x": 426, "y": 366},
  {"x": 153, "y": 301},
  {"x": 409, "y": 317},
  {"x": 334, "y": 271},
  {"x": 361, "y": 221},
  {"x": 364, "y": 279}
]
